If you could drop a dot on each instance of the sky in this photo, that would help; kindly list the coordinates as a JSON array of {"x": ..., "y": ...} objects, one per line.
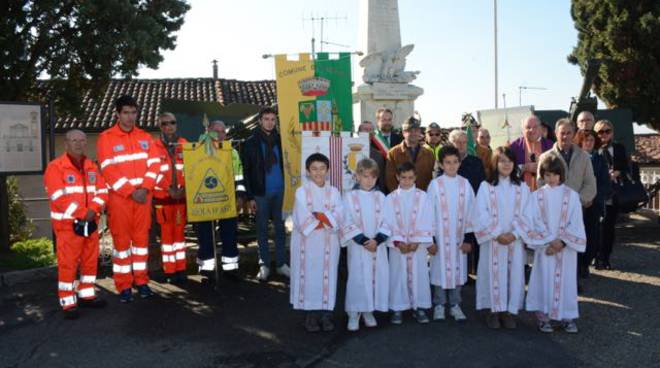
[{"x": 454, "y": 47}]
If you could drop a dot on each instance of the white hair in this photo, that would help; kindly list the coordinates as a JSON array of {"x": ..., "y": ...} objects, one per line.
[{"x": 455, "y": 134}]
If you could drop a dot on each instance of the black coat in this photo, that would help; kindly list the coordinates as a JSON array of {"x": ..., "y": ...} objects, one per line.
[
  {"x": 618, "y": 161},
  {"x": 254, "y": 171},
  {"x": 471, "y": 169},
  {"x": 603, "y": 184}
]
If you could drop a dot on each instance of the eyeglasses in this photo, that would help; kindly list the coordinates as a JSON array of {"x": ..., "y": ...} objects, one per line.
[
  {"x": 167, "y": 122},
  {"x": 604, "y": 131}
]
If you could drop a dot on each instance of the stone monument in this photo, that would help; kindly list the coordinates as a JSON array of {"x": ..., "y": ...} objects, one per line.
[{"x": 386, "y": 82}]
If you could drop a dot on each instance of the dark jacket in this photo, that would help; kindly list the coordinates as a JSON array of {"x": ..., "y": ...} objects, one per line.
[
  {"x": 618, "y": 161},
  {"x": 603, "y": 183},
  {"x": 254, "y": 171}
]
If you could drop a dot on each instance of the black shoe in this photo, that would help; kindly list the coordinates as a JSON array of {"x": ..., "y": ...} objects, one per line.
[
  {"x": 607, "y": 265},
  {"x": 126, "y": 296},
  {"x": 95, "y": 303},
  {"x": 144, "y": 291},
  {"x": 327, "y": 324},
  {"x": 584, "y": 273},
  {"x": 312, "y": 322},
  {"x": 600, "y": 265},
  {"x": 232, "y": 275},
  {"x": 71, "y": 313}
]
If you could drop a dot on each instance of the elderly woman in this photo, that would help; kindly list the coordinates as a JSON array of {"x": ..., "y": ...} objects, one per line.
[
  {"x": 588, "y": 141},
  {"x": 617, "y": 163}
]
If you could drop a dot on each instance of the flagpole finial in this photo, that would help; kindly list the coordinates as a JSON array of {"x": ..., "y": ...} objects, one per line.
[{"x": 205, "y": 122}]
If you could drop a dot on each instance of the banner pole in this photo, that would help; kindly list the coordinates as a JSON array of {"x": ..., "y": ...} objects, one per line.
[{"x": 215, "y": 257}]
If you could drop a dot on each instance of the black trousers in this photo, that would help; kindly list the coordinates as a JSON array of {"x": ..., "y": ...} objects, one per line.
[
  {"x": 608, "y": 235},
  {"x": 591, "y": 218}
]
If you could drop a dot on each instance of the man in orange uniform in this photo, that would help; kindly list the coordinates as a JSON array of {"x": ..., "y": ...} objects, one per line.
[
  {"x": 77, "y": 195},
  {"x": 130, "y": 165},
  {"x": 170, "y": 200}
]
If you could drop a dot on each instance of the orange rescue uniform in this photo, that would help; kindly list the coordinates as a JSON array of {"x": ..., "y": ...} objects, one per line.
[
  {"x": 72, "y": 191},
  {"x": 128, "y": 161},
  {"x": 170, "y": 212}
]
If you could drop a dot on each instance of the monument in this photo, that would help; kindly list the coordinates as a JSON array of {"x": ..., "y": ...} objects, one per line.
[{"x": 386, "y": 82}]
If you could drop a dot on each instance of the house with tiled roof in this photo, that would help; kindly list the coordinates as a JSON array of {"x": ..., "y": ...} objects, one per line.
[{"x": 98, "y": 115}]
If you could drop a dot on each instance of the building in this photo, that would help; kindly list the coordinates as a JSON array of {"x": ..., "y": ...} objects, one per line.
[{"x": 98, "y": 115}]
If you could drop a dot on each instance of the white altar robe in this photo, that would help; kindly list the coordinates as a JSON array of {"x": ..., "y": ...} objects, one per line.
[
  {"x": 552, "y": 289},
  {"x": 501, "y": 271},
  {"x": 452, "y": 200},
  {"x": 408, "y": 216},
  {"x": 367, "y": 288},
  {"x": 315, "y": 252}
]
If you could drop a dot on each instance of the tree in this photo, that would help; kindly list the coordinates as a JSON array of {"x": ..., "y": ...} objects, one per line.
[
  {"x": 625, "y": 36},
  {"x": 78, "y": 46},
  {"x": 81, "y": 45}
]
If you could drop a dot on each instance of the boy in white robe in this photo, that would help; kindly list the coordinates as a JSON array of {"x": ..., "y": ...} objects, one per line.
[
  {"x": 557, "y": 237},
  {"x": 452, "y": 199},
  {"x": 367, "y": 288},
  {"x": 408, "y": 215},
  {"x": 315, "y": 248},
  {"x": 501, "y": 216}
]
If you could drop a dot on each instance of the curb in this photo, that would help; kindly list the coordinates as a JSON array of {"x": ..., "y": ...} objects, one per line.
[{"x": 12, "y": 278}]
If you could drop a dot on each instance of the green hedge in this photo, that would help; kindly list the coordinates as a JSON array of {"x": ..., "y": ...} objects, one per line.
[{"x": 31, "y": 253}]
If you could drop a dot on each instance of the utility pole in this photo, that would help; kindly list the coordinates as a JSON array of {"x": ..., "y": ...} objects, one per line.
[{"x": 495, "y": 42}]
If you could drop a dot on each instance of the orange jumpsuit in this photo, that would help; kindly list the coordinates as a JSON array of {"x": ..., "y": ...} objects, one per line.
[
  {"x": 72, "y": 191},
  {"x": 128, "y": 161},
  {"x": 171, "y": 213}
]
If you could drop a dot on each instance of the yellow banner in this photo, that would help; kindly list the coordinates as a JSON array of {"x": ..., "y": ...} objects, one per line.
[
  {"x": 210, "y": 189},
  {"x": 289, "y": 72}
]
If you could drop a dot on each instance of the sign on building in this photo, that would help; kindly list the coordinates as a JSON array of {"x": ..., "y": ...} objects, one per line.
[{"x": 22, "y": 144}]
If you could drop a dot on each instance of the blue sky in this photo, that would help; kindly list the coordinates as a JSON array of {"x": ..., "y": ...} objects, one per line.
[{"x": 453, "y": 47}]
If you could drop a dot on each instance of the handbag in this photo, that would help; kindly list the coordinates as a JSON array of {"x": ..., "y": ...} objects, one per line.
[{"x": 629, "y": 194}]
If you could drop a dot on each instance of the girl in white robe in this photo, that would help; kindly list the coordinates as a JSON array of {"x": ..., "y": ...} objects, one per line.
[
  {"x": 452, "y": 200},
  {"x": 501, "y": 217},
  {"x": 557, "y": 237},
  {"x": 315, "y": 247},
  {"x": 409, "y": 216},
  {"x": 363, "y": 233}
]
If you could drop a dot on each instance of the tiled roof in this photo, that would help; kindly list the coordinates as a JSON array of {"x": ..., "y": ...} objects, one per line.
[
  {"x": 647, "y": 149},
  {"x": 98, "y": 113}
]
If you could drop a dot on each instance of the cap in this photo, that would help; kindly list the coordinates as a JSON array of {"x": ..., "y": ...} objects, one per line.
[
  {"x": 410, "y": 123},
  {"x": 433, "y": 126}
]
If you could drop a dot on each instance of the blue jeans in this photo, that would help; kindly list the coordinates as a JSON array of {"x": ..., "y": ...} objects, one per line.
[
  {"x": 270, "y": 207},
  {"x": 228, "y": 228}
]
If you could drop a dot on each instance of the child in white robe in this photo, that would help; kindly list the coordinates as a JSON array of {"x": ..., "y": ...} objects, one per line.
[
  {"x": 452, "y": 199},
  {"x": 408, "y": 215},
  {"x": 557, "y": 237},
  {"x": 501, "y": 216},
  {"x": 367, "y": 288},
  {"x": 315, "y": 248}
]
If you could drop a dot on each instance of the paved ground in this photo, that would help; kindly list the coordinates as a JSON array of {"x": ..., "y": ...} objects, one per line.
[{"x": 248, "y": 324}]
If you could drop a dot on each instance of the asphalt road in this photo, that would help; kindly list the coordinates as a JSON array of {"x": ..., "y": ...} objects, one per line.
[{"x": 250, "y": 324}]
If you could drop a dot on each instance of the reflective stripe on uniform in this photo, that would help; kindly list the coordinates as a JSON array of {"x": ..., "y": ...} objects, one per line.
[
  {"x": 167, "y": 248},
  {"x": 229, "y": 266},
  {"x": 124, "y": 158},
  {"x": 169, "y": 259},
  {"x": 140, "y": 251},
  {"x": 139, "y": 266},
  {"x": 65, "y": 286},
  {"x": 153, "y": 161},
  {"x": 150, "y": 174},
  {"x": 206, "y": 265},
  {"x": 86, "y": 292},
  {"x": 60, "y": 216},
  {"x": 179, "y": 166},
  {"x": 71, "y": 209},
  {"x": 164, "y": 167},
  {"x": 119, "y": 183},
  {"x": 99, "y": 201},
  {"x": 121, "y": 254},
  {"x": 121, "y": 269},
  {"x": 136, "y": 181},
  {"x": 67, "y": 190},
  {"x": 87, "y": 279},
  {"x": 68, "y": 300},
  {"x": 180, "y": 255}
]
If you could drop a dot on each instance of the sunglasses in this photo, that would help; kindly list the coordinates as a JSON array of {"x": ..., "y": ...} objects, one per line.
[
  {"x": 433, "y": 134},
  {"x": 165, "y": 123},
  {"x": 604, "y": 131}
]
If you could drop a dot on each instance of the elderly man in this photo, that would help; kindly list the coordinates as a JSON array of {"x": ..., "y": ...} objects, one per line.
[
  {"x": 228, "y": 227},
  {"x": 368, "y": 127},
  {"x": 386, "y": 137},
  {"x": 433, "y": 139},
  {"x": 579, "y": 171},
  {"x": 471, "y": 167},
  {"x": 77, "y": 195},
  {"x": 410, "y": 150},
  {"x": 484, "y": 152},
  {"x": 529, "y": 148},
  {"x": 170, "y": 200},
  {"x": 586, "y": 121}
]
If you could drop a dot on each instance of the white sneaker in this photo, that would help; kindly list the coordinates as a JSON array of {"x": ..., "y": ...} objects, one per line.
[
  {"x": 353, "y": 321},
  {"x": 369, "y": 319},
  {"x": 457, "y": 313},
  {"x": 264, "y": 272},
  {"x": 439, "y": 313},
  {"x": 284, "y": 271}
]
